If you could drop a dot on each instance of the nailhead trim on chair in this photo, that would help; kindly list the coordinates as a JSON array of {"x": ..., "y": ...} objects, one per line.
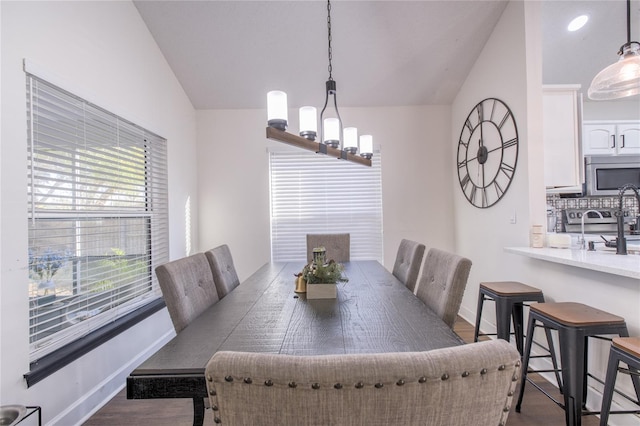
[
  {"x": 359, "y": 385},
  {"x": 378, "y": 385}
]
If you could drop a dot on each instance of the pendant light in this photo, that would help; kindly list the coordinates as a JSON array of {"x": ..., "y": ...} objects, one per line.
[
  {"x": 332, "y": 134},
  {"x": 622, "y": 78}
]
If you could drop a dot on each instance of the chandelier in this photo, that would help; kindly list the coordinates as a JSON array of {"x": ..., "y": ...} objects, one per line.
[
  {"x": 335, "y": 140},
  {"x": 622, "y": 78}
]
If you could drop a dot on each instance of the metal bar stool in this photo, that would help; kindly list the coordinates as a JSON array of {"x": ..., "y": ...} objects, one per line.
[
  {"x": 627, "y": 350},
  {"x": 509, "y": 297},
  {"x": 574, "y": 323}
]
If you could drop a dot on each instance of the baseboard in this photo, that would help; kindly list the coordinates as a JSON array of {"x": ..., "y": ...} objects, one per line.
[{"x": 83, "y": 408}]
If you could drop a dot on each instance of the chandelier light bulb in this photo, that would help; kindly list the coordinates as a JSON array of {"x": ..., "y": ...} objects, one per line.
[
  {"x": 366, "y": 146},
  {"x": 308, "y": 122},
  {"x": 277, "y": 116},
  {"x": 350, "y": 140},
  {"x": 331, "y": 132}
]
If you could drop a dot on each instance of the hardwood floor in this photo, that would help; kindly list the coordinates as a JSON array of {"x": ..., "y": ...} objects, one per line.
[{"x": 537, "y": 409}]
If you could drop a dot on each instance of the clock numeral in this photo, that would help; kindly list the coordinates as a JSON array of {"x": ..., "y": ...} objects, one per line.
[
  {"x": 463, "y": 143},
  {"x": 472, "y": 195},
  {"x": 469, "y": 125},
  {"x": 464, "y": 182},
  {"x": 480, "y": 113},
  {"x": 510, "y": 143},
  {"x": 462, "y": 163},
  {"x": 484, "y": 197},
  {"x": 504, "y": 119},
  {"x": 507, "y": 170},
  {"x": 498, "y": 188}
]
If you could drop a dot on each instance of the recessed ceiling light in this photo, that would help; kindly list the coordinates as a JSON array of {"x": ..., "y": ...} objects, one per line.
[{"x": 577, "y": 23}]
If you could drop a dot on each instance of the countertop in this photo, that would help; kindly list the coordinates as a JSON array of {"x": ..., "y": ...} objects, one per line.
[{"x": 600, "y": 260}]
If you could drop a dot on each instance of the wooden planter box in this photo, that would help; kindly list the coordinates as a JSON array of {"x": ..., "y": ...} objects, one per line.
[{"x": 321, "y": 291}]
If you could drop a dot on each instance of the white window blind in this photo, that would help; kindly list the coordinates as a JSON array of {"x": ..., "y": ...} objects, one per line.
[
  {"x": 313, "y": 193},
  {"x": 98, "y": 219}
]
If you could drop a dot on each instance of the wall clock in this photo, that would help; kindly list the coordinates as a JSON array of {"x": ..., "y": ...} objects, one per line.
[{"x": 487, "y": 152}]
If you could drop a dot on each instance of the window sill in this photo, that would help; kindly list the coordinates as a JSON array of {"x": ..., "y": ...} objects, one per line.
[{"x": 64, "y": 356}]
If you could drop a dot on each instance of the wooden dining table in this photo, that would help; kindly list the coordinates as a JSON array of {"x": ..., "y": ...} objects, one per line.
[{"x": 372, "y": 313}]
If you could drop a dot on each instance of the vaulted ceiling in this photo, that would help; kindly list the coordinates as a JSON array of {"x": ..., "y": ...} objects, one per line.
[{"x": 228, "y": 54}]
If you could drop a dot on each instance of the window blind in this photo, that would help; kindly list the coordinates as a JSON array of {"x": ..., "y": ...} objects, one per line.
[
  {"x": 98, "y": 216},
  {"x": 312, "y": 193}
]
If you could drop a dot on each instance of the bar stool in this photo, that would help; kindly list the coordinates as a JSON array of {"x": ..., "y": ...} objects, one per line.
[
  {"x": 574, "y": 322},
  {"x": 509, "y": 297},
  {"x": 627, "y": 350}
]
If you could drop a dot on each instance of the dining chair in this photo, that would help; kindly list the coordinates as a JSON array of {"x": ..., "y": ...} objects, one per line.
[
  {"x": 442, "y": 283},
  {"x": 337, "y": 246},
  {"x": 447, "y": 386},
  {"x": 224, "y": 273},
  {"x": 187, "y": 287},
  {"x": 408, "y": 261}
]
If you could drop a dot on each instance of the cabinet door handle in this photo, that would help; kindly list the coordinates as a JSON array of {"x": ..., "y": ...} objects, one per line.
[
  {"x": 621, "y": 141},
  {"x": 613, "y": 141}
]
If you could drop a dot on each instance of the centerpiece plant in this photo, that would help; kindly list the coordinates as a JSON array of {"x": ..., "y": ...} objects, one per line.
[{"x": 321, "y": 273}]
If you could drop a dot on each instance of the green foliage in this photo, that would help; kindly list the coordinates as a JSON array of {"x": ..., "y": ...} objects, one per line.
[
  {"x": 120, "y": 271},
  {"x": 329, "y": 273}
]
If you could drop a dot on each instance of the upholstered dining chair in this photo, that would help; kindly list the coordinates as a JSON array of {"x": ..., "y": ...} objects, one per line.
[
  {"x": 408, "y": 261},
  {"x": 187, "y": 287},
  {"x": 442, "y": 283},
  {"x": 462, "y": 385},
  {"x": 224, "y": 272},
  {"x": 338, "y": 246}
]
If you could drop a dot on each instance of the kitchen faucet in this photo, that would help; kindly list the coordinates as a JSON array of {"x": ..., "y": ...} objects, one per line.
[
  {"x": 584, "y": 214},
  {"x": 621, "y": 241}
]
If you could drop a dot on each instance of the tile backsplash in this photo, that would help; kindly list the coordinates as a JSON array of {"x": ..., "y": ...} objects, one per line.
[{"x": 628, "y": 203}]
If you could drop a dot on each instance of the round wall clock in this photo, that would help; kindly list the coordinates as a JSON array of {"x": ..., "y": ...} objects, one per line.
[{"x": 487, "y": 152}]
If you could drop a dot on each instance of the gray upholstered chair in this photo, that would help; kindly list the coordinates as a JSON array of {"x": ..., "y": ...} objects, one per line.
[
  {"x": 408, "y": 261},
  {"x": 442, "y": 283},
  {"x": 462, "y": 385},
  {"x": 338, "y": 246},
  {"x": 224, "y": 273},
  {"x": 187, "y": 287}
]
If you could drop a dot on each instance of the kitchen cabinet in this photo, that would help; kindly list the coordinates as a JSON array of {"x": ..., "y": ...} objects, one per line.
[
  {"x": 561, "y": 125},
  {"x": 611, "y": 137}
]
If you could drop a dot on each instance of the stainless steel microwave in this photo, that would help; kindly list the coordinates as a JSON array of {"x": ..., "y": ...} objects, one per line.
[{"x": 604, "y": 175}]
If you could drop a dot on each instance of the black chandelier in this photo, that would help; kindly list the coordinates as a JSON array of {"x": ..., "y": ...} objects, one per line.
[{"x": 334, "y": 140}]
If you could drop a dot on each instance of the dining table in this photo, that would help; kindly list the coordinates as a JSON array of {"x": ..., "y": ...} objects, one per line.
[{"x": 373, "y": 312}]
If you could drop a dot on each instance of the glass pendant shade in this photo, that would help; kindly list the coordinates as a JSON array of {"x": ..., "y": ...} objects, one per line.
[
  {"x": 331, "y": 132},
  {"x": 618, "y": 80},
  {"x": 277, "y": 109},
  {"x": 350, "y": 144},
  {"x": 308, "y": 122},
  {"x": 366, "y": 146}
]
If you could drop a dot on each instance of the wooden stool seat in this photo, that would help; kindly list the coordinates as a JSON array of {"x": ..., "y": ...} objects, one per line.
[
  {"x": 510, "y": 288},
  {"x": 630, "y": 345},
  {"x": 509, "y": 297},
  {"x": 576, "y": 314},
  {"x": 627, "y": 350},
  {"x": 574, "y": 323}
]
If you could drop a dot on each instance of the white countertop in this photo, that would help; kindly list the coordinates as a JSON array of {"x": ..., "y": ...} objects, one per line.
[{"x": 600, "y": 260}]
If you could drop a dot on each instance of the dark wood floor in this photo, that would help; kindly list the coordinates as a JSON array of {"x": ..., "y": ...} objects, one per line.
[{"x": 537, "y": 409}]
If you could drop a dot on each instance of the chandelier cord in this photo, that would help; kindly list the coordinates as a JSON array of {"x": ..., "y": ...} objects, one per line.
[{"x": 329, "y": 37}]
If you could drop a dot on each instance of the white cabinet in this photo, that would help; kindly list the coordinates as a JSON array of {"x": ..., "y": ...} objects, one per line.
[
  {"x": 561, "y": 124},
  {"x": 611, "y": 137}
]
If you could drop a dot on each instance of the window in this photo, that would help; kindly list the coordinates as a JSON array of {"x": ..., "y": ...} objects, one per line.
[
  {"x": 312, "y": 193},
  {"x": 97, "y": 210}
]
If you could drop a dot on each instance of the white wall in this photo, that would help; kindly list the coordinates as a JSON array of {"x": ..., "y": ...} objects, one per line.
[
  {"x": 104, "y": 51},
  {"x": 233, "y": 170},
  {"x": 511, "y": 72}
]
